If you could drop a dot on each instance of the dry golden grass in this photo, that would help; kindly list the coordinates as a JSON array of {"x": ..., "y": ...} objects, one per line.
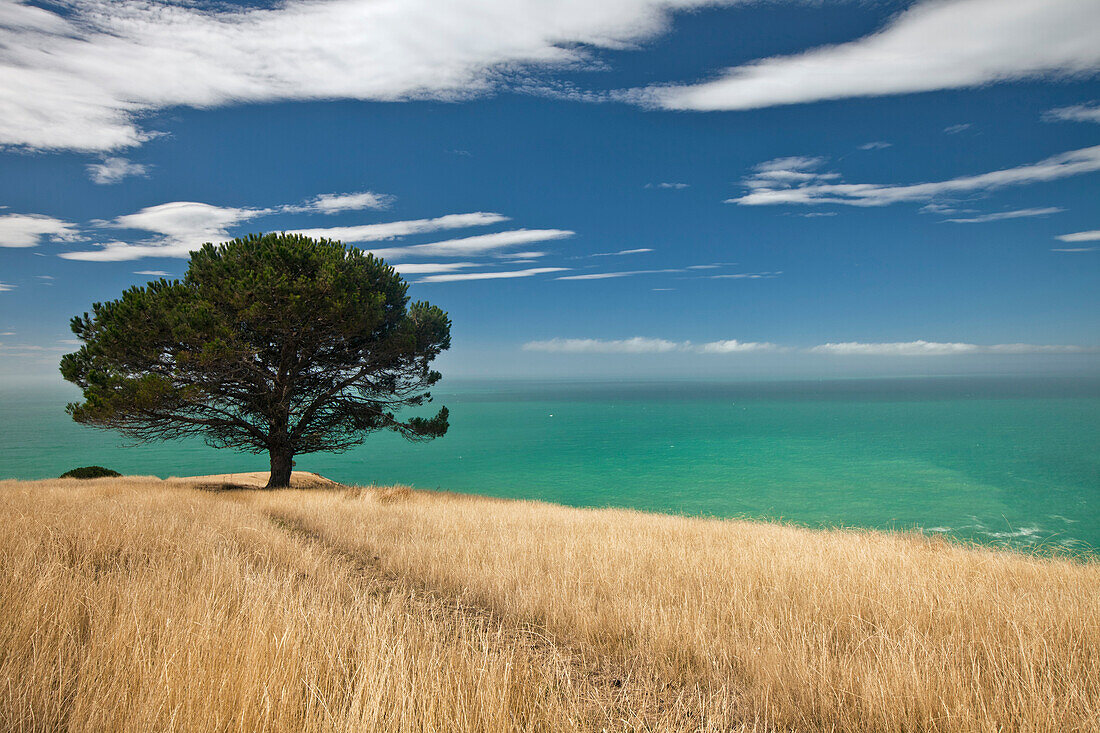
[{"x": 144, "y": 605}]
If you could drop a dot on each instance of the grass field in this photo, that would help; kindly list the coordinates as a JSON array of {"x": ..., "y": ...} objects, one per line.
[{"x": 145, "y": 605}]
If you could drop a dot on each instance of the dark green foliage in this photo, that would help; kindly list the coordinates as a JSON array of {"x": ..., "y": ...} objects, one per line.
[
  {"x": 271, "y": 343},
  {"x": 90, "y": 472}
]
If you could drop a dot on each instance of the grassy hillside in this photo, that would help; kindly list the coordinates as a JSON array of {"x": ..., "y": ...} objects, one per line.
[{"x": 138, "y": 604}]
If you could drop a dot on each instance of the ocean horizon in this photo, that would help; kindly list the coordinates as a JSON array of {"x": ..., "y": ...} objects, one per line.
[{"x": 1009, "y": 461}]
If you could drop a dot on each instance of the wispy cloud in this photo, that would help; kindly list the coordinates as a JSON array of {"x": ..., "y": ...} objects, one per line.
[
  {"x": 1015, "y": 214},
  {"x": 1074, "y": 249},
  {"x": 933, "y": 348},
  {"x": 153, "y": 273},
  {"x": 478, "y": 244},
  {"x": 424, "y": 268},
  {"x": 956, "y": 129},
  {"x": 5, "y": 287},
  {"x": 747, "y": 275},
  {"x": 639, "y": 251},
  {"x": 30, "y": 230},
  {"x": 113, "y": 170},
  {"x": 503, "y": 275},
  {"x": 672, "y": 185},
  {"x": 82, "y": 77},
  {"x": 395, "y": 229},
  {"x": 931, "y": 45},
  {"x": 334, "y": 203},
  {"x": 875, "y": 145},
  {"x": 796, "y": 181},
  {"x": 609, "y": 275},
  {"x": 1089, "y": 236},
  {"x": 180, "y": 227},
  {"x": 1089, "y": 112},
  {"x": 643, "y": 345}
]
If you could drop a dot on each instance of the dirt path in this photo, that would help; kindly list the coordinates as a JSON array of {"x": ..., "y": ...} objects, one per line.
[{"x": 612, "y": 696}]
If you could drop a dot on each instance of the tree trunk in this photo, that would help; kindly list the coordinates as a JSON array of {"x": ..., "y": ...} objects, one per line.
[{"x": 282, "y": 463}]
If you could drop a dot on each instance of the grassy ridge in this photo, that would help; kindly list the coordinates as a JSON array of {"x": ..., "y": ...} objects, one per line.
[{"x": 136, "y": 604}]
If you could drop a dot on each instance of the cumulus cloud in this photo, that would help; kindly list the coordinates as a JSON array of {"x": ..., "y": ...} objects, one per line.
[
  {"x": 933, "y": 348},
  {"x": 334, "y": 203},
  {"x": 503, "y": 275},
  {"x": 1089, "y": 236},
  {"x": 796, "y": 181},
  {"x": 81, "y": 78},
  {"x": 1015, "y": 214},
  {"x": 30, "y": 230},
  {"x": 1089, "y": 112},
  {"x": 932, "y": 45},
  {"x": 113, "y": 170},
  {"x": 478, "y": 244}
]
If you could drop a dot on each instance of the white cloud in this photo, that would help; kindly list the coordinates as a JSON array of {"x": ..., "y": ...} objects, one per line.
[
  {"x": 956, "y": 129},
  {"x": 183, "y": 226},
  {"x": 1090, "y": 236},
  {"x": 1077, "y": 113},
  {"x": 479, "y": 244},
  {"x": 801, "y": 185},
  {"x": 673, "y": 185},
  {"x": 180, "y": 227},
  {"x": 5, "y": 287},
  {"x": 29, "y": 230},
  {"x": 875, "y": 145},
  {"x": 507, "y": 274},
  {"x": 423, "y": 268},
  {"x": 608, "y": 275},
  {"x": 1016, "y": 214},
  {"x": 395, "y": 229},
  {"x": 636, "y": 345},
  {"x": 81, "y": 78},
  {"x": 733, "y": 346},
  {"x": 622, "y": 252},
  {"x": 931, "y": 45},
  {"x": 1075, "y": 249},
  {"x": 747, "y": 276},
  {"x": 113, "y": 170},
  {"x": 642, "y": 345},
  {"x": 933, "y": 348},
  {"x": 334, "y": 203},
  {"x": 153, "y": 273}
]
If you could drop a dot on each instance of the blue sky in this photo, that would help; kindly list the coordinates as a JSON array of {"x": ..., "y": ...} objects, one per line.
[{"x": 630, "y": 187}]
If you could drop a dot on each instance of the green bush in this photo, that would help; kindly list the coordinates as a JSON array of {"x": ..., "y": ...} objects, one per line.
[{"x": 90, "y": 472}]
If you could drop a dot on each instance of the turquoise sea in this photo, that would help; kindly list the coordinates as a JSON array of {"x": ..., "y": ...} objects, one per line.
[{"x": 999, "y": 460}]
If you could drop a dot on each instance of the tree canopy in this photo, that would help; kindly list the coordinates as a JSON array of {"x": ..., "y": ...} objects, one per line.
[{"x": 273, "y": 343}]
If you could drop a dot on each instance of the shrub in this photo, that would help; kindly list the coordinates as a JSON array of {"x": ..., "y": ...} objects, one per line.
[{"x": 90, "y": 472}]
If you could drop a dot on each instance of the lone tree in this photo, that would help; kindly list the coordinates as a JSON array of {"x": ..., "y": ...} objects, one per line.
[{"x": 271, "y": 343}]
